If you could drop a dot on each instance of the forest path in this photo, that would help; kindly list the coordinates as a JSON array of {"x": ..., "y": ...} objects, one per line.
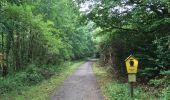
[{"x": 81, "y": 85}]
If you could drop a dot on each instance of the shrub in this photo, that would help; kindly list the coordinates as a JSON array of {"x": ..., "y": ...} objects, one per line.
[
  {"x": 121, "y": 91},
  {"x": 16, "y": 81},
  {"x": 117, "y": 91},
  {"x": 156, "y": 82},
  {"x": 165, "y": 94},
  {"x": 11, "y": 83},
  {"x": 33, "y": 74}
]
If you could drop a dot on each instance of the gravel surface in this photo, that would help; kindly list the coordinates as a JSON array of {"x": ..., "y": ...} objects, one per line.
[{"x": 81, "y": 85}]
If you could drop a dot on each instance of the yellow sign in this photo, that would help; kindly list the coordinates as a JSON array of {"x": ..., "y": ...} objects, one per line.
[{"x": 131, "y": 65}]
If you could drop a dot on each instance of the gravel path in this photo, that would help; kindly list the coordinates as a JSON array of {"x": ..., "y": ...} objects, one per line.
[{"x": 81, "y": 85}]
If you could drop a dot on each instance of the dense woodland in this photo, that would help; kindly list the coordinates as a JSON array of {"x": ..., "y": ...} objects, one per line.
[
  {"x": 137, "y": 27},
  {"x": 38, "y": 33},
  {"x": 35, "y": 34},
  {"x": 41, "y": 32},
  {"x": 134, "y": 27}
]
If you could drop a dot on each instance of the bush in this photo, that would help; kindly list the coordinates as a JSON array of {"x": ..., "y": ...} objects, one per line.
[
  {"x": 117, "y": 91},
  {"x": 11, "y": 83},
  {"x": 121, "y": 91},
  {"x": 167, "y": 73},
  {"x": 156, "y": 82},
  {"x": 20, "y": 77},
  {"x": 162, "y": 81},
  {"x": 33, "y": 74},
  {"x": 165, "y": 94},
  {"x": 6, "y": 85}
]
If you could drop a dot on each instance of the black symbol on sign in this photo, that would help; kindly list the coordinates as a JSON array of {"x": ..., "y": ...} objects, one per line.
[{"x": 131, "y": 62}]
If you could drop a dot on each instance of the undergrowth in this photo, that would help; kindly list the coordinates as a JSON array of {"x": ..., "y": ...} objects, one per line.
[
  {"x": 115, "y": 90},
  {"x": 36, "y": 82}
]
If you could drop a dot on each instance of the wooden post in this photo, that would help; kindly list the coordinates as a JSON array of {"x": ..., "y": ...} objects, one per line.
[{"x": 131, "y": 89}]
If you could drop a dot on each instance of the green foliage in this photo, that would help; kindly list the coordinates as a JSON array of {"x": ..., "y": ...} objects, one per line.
[
  {"x": 133, "y": 27},
  {"x": 121, "y": 91},
  {"x": 162, "y": 82},
  {"x": 157, "y": 82},
  {"x": 32, "y": 75},
  {"x": 162, "y": 53},
  {"x": 117, "y": 91},
  {"x": 41, "y": 32},
  {"x": 165, "y": 72},
  {"x": 165, "y": 94},
  {"x": 37, "y": 35},
  {"x": 29, "y": 77},
  {"x": 43, "y": 89}
]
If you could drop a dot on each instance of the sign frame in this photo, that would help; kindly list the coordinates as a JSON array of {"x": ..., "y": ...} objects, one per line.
[{"x": 131, "y": 64}]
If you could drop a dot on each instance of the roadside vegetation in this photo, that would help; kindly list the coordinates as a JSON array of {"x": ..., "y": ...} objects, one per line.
[
  {"x": 22, "y": 89},
  {"x": 134, "y": 27},
  {"x": 114, "y": 89},
  {"x": 37, "y": 38}
]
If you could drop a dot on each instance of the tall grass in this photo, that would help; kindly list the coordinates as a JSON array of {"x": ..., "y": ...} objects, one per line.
[
  {"x": 38, "y": 85},
  {"x": 115, "y": 90}
]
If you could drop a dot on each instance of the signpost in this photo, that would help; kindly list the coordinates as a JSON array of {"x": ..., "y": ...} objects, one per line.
[{"x": 131, "y": 67}]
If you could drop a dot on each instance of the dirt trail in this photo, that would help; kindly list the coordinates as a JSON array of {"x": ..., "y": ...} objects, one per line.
[{"x": 81, "y": 85}]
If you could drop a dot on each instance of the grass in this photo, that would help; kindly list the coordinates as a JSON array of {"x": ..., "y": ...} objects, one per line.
[
  {"x": 43, "y": 90},
  {"x": 115, "y": 90}
]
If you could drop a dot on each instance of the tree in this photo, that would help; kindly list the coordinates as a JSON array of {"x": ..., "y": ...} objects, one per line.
[{"x": 137, "y": 27}]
